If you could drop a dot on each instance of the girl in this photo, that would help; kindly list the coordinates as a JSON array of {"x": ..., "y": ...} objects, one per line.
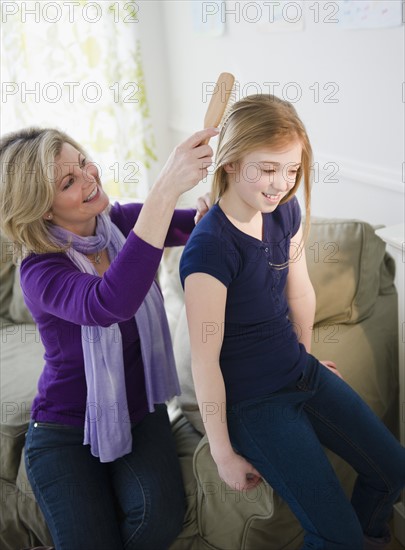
[
  {"x": 250, "y": 308},
  {"x": 99, "y": 451}
]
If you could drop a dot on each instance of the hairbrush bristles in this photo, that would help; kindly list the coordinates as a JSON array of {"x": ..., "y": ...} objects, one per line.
[{"x": 221, "y": 101}]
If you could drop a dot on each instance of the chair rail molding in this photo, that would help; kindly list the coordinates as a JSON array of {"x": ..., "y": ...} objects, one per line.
[{"x": 362, "y": 172}]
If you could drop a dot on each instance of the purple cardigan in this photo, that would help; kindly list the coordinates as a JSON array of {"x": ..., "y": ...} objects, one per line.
[{"x": 61, "y": 299}]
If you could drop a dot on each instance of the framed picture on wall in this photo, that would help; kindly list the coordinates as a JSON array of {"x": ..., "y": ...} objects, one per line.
[{"x": 369, "y": 14}]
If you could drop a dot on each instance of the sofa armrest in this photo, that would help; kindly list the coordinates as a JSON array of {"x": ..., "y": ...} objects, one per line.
[{"x": 225, "y": 517}]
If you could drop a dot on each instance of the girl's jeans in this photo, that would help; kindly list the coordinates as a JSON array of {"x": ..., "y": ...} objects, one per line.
[
  {"x": 282, "y": 435},
  {"x": 136, "y": 501}
]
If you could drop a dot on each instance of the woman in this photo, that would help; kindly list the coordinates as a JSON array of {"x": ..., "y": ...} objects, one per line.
[
  {"x": 99, "y": 452},
  {"x": 250, "y": 308}
]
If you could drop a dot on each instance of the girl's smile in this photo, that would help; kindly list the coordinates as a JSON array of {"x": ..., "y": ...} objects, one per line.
[
  {"x": 273, "y": 199},
  {"x": 260, "y": 180}
]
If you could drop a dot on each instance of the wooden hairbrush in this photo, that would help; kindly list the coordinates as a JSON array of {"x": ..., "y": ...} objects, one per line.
[{"x": 221, "y": 101}]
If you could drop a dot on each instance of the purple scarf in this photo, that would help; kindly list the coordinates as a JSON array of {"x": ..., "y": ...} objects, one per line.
[{"x": 107, "y": 426}]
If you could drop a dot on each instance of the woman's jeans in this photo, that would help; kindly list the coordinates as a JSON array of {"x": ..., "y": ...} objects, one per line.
[
  {"x": 136, "y": 502},
  {"x": 282, "y": 435}
]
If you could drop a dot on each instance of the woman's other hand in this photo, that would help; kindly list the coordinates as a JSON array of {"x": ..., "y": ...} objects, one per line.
[{"x": 202, "y": 206}]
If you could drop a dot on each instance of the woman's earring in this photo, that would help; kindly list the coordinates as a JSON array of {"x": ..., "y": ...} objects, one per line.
[{"x": 49, "y": 217}]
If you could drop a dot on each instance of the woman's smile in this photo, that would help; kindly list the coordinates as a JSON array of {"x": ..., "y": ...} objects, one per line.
[{"x": 93, "y": 195}]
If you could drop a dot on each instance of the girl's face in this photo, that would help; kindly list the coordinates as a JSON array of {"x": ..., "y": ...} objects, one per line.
[
  {"x": 263, "y": 177},
  {"x": 79, "y": 197}
]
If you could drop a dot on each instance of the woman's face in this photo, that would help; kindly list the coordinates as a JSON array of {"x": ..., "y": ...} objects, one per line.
[
  {"x": 79, "y": 197},
  {"x": 263, "y": 177}
]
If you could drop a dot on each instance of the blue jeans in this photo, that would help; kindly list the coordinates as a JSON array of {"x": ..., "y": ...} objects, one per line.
[
  {"x": 282, "y": 435},
  {"x": 136, "y": 502}
]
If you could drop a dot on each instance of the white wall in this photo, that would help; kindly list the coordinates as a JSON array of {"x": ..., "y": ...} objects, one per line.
[
  {"x": 152, "y": 37},
  {"x": 362, "y": 134}
]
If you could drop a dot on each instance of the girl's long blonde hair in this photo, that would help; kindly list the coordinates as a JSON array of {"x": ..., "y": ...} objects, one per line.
[
  {"x": 27, "y": 186},
  {"x": 256, "y": 121}
]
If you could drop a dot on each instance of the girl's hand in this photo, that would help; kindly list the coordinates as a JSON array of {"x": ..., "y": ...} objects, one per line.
[
  {"x": 332, "y": 367},
  {"x": 187, "y": 165},
  {"x": 203, "y": 205},
  {"x": 238, "y": 473}
]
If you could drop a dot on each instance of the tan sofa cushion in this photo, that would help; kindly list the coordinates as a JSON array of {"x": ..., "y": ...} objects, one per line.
[
  {"x": 13, "y": 531},
  {"x": 7, "y": 269},
  {"x": 344, "y": 259},
  {"x": 21, "y": 362},
  {"x": 18, "y": 310},
  {"x": 12, "y": 306}
]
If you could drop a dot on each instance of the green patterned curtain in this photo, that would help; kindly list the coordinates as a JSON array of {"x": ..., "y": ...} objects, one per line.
[{"x": 77, "y": 66}]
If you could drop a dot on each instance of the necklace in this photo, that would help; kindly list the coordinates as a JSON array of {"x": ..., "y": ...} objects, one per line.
[{"x": 97, "y": 257}]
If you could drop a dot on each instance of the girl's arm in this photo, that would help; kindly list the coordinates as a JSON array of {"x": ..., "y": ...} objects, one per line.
[
  {"x": 205, "y": 299},
  {"x": 300, "y": 292}
]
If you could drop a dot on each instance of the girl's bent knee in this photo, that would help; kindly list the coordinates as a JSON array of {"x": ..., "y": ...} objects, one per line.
[{"x": 353, "y": 539}]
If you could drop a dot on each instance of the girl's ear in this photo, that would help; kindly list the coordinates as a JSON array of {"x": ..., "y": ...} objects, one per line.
[{"x": 230, "y": 168}]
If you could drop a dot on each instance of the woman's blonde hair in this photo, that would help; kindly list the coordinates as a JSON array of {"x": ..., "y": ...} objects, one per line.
[
  {"x": 27, "y": 186},
  {"x": 256, "y": 121}
]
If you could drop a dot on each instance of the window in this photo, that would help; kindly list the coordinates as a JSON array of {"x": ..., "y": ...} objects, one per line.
[{"x": 77, "y": 66}]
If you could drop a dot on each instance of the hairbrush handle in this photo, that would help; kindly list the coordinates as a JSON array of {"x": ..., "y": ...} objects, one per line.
[{"x": 223, "y": 92}]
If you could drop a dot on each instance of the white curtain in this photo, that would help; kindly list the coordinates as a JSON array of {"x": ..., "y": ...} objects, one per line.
[{"x": 76, "y": 65}]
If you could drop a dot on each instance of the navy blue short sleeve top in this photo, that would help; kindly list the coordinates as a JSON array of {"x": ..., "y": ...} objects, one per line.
[{"x": 260, "y": 352}]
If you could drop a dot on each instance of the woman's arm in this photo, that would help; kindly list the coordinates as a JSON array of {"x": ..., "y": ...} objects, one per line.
[
  {"x": 300, "y": 292},
  {"x": 184, "y": 221},
  {"x": 124, "y": 216},
  {"x": 205, "y": 299},
  {"x": 186, "y": 166},
  {"x": 180, "y": 227}
]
